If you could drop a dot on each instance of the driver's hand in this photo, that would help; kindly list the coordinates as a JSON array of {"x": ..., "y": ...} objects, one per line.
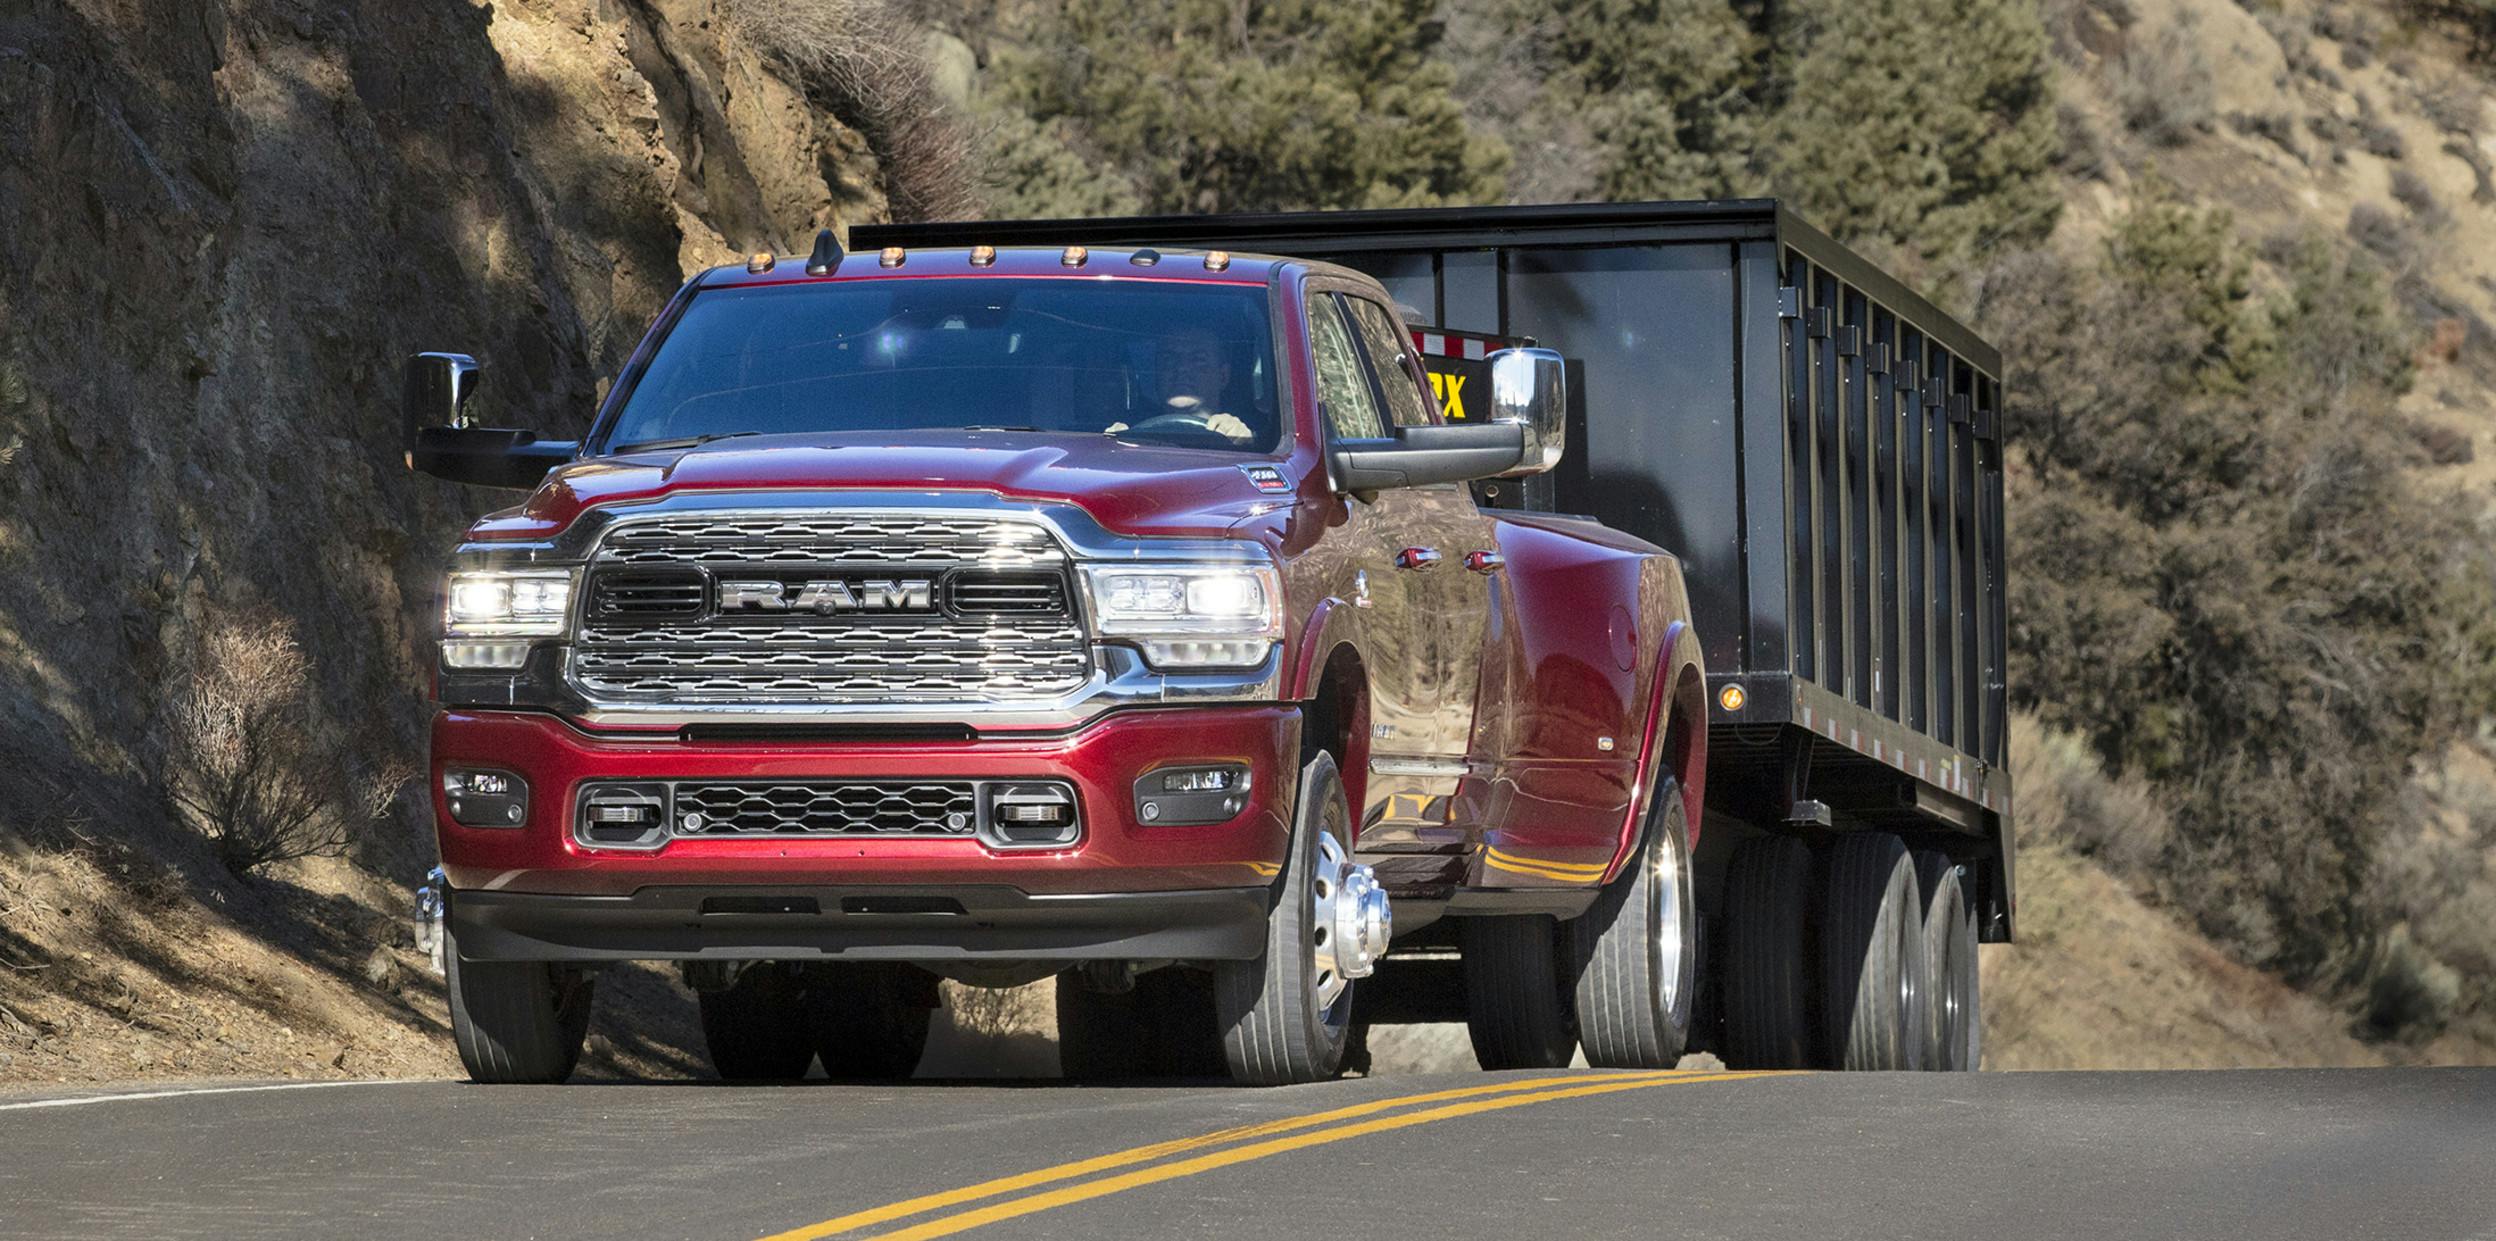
[{"x": 1227, "y": 426}]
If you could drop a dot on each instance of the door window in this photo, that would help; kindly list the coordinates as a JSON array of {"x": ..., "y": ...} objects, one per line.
[
  {"x": 1391, "y": 358},
  {"x": 1351, "y": 412}
]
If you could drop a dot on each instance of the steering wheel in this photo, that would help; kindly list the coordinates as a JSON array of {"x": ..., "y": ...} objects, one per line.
[{"x": 1184, "y": 427}]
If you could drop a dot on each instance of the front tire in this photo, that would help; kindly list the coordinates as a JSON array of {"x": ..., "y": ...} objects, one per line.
[
  {"x": 1873, "y": 984},
  {"x": 516, "y": 1021},
  {"x": 1286, "y": 1016},
  {"x": 1637, "y": 952},
  {"x": 1956, "y": 1025},
  {"x": 756, "y": 1030}
]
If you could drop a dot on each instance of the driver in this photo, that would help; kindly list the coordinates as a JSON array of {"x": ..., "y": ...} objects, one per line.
[{"x": 1190, "y": 372}]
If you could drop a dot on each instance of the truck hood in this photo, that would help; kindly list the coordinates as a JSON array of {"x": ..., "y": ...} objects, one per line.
[{"x": 1129, "y": 488}]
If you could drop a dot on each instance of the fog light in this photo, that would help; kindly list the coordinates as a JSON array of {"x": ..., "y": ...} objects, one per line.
[
  {"x": 627, "y": 816},
  {"x": 495, "y": 655},
  {"x": 485, "y": 798},
  {"x": 1191, "y": 796},
  {"x": 1032, "y": 814}
]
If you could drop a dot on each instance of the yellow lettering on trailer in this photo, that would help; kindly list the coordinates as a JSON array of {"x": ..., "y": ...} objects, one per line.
[{"x": 1450, "y": 390}]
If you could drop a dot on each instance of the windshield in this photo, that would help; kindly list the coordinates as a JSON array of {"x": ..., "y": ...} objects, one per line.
[{"x": 1189, "y": 365}]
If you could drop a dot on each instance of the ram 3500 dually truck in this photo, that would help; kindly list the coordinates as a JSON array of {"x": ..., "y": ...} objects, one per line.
[{"x": 991, "y": 613}]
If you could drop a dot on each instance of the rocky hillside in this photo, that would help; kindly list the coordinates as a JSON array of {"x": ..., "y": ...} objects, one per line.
[{"x": 227, "y": 224}]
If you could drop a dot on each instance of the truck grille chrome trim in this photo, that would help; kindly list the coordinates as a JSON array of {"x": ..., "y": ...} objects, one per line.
[
  {"x": 850, "y": 538},
  {"x": 989, "y": 616}
]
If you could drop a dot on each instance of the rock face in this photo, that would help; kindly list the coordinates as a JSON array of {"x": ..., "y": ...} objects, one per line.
[{"x": 225, "y": 226}]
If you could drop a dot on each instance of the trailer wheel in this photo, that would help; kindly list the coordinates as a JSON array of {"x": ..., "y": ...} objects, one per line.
[
  {"x": 868, "y": 1021},
  {"x": 1874, "y": 986},
  {"x": 756, "y": 1029},
  {"x": 516, "y": 1021},
  {"x": 1516, "y": 993},
  {"x": 1760, "y": 967},
  {"x": 1287, "y": 1015},
  {"x": 1955, "y": 1042},
  {"x": 1163, "y": 1027},
  {"x": 1637, "y": 952}
]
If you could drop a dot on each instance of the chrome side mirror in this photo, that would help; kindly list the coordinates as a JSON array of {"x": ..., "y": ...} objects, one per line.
[
  {"x": 436, "y": 394},
  {"x": 1530, "y": 387},
  {"x": 439, "y": 438}
]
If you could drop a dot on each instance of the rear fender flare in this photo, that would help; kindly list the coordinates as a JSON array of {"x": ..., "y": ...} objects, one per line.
[{"x": 1676, "y": 710}]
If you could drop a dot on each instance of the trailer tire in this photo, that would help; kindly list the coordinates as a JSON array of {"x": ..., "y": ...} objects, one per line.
[
  {"x": 1637, "y": 951},
  {"x": 1761, "y": 965},
  {"x": 1956, "y": 1029},
  {"x": 1874, "y": 990},
  {"x": 516, "y": 1021},
  {"x": 868, "y": 1021},
  {"x": 756, "y": 1029},
  {"x": 1517, "y": 993},
  {"x": 1284, "y": 1018}
]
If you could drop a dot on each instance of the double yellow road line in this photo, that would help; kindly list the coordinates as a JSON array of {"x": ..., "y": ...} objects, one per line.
[{"x": 1024, "y": 1193}]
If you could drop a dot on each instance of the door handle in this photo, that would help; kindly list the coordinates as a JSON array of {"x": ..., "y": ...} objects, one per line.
[
  {"x": 1484, "y": 561},
  {"x": 1417, "y": 558}
]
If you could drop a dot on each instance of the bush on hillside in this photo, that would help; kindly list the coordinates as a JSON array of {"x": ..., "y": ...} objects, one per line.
[
  {"x": 2229, "y": 581},
  {"x": 866, "y": 63},
  {"x": 1206, "y": 106},
  {"x": 243, "y": 768}
]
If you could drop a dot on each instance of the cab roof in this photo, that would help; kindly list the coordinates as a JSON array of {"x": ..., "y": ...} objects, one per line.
[{"x": 1069, "y": 262}]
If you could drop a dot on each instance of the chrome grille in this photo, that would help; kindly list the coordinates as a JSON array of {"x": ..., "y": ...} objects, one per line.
[
  {"x": 1005, "y": 628},
  {"x": 862, "y": 808},
  {"x": 814, "y": 538}
]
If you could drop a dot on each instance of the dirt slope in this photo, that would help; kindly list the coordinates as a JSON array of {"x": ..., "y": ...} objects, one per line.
[{"x": 227, "y": 223}]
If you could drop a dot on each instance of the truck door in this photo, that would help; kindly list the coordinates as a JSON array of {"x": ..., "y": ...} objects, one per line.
[
  {"x": 1407, "y": 785},
  {"x": 1440, "y": 562}
]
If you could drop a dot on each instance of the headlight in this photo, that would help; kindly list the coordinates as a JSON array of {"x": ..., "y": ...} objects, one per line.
[
  {"x": 516, "y": 603},
  {"x": 1189, "y": 616}
]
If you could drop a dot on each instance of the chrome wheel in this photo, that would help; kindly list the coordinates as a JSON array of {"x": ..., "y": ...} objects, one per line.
[
  {"x": 1350, "y": 921},
  {"x": 1665, "y": 874}
]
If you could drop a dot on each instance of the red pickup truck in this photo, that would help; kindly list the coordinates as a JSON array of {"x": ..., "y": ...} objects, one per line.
[{"x": 998, "y": 613}]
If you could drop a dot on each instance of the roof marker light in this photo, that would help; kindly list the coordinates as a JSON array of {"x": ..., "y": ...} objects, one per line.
[
  {"x": 761, "y": 262},
  {"x": 983, "y": 256},
  {"x": 1218, "y": 260},
  {"x": 1074, "y": 256},
  {"x": 893, "y": 256},
  {"x": 1144, "y": 258}
]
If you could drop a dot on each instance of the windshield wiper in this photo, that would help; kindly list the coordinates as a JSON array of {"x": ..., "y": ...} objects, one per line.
[
  {"x": 990, "y": 426},
  {"x": 690, "y": 441}
]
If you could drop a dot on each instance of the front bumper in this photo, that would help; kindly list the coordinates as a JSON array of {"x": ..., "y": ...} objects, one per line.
[
  {"x": 1116, "y": 853},
  {"x": 800, "y": 922}
]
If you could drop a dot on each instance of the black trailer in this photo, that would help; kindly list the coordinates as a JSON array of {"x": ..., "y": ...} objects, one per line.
[{"x": 1819, "y": 444}]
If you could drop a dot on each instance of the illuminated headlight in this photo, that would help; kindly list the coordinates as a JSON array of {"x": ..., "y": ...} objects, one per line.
[
  {"x": 517, "y": 603},
  {"x": 1189, "y": 616}
]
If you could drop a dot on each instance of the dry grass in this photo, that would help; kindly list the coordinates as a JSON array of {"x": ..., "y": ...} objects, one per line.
[
  {"x": 866, "y": 62},
  {"x": 244, "y": 769}
]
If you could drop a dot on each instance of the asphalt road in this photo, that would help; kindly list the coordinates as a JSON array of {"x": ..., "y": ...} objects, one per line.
[{"x": 2246, "y": 1156}]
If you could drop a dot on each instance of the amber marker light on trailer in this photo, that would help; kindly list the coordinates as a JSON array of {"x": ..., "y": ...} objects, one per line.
[
  {"x": 761, "y": 262},
  {"x": 893, "y": 256},
  {"x": 1731, "y": 698},
  {"x": 1218, "y": 260},
  {"x": 983, "y": 256},
  {"x": 1074, "y": 256}
]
